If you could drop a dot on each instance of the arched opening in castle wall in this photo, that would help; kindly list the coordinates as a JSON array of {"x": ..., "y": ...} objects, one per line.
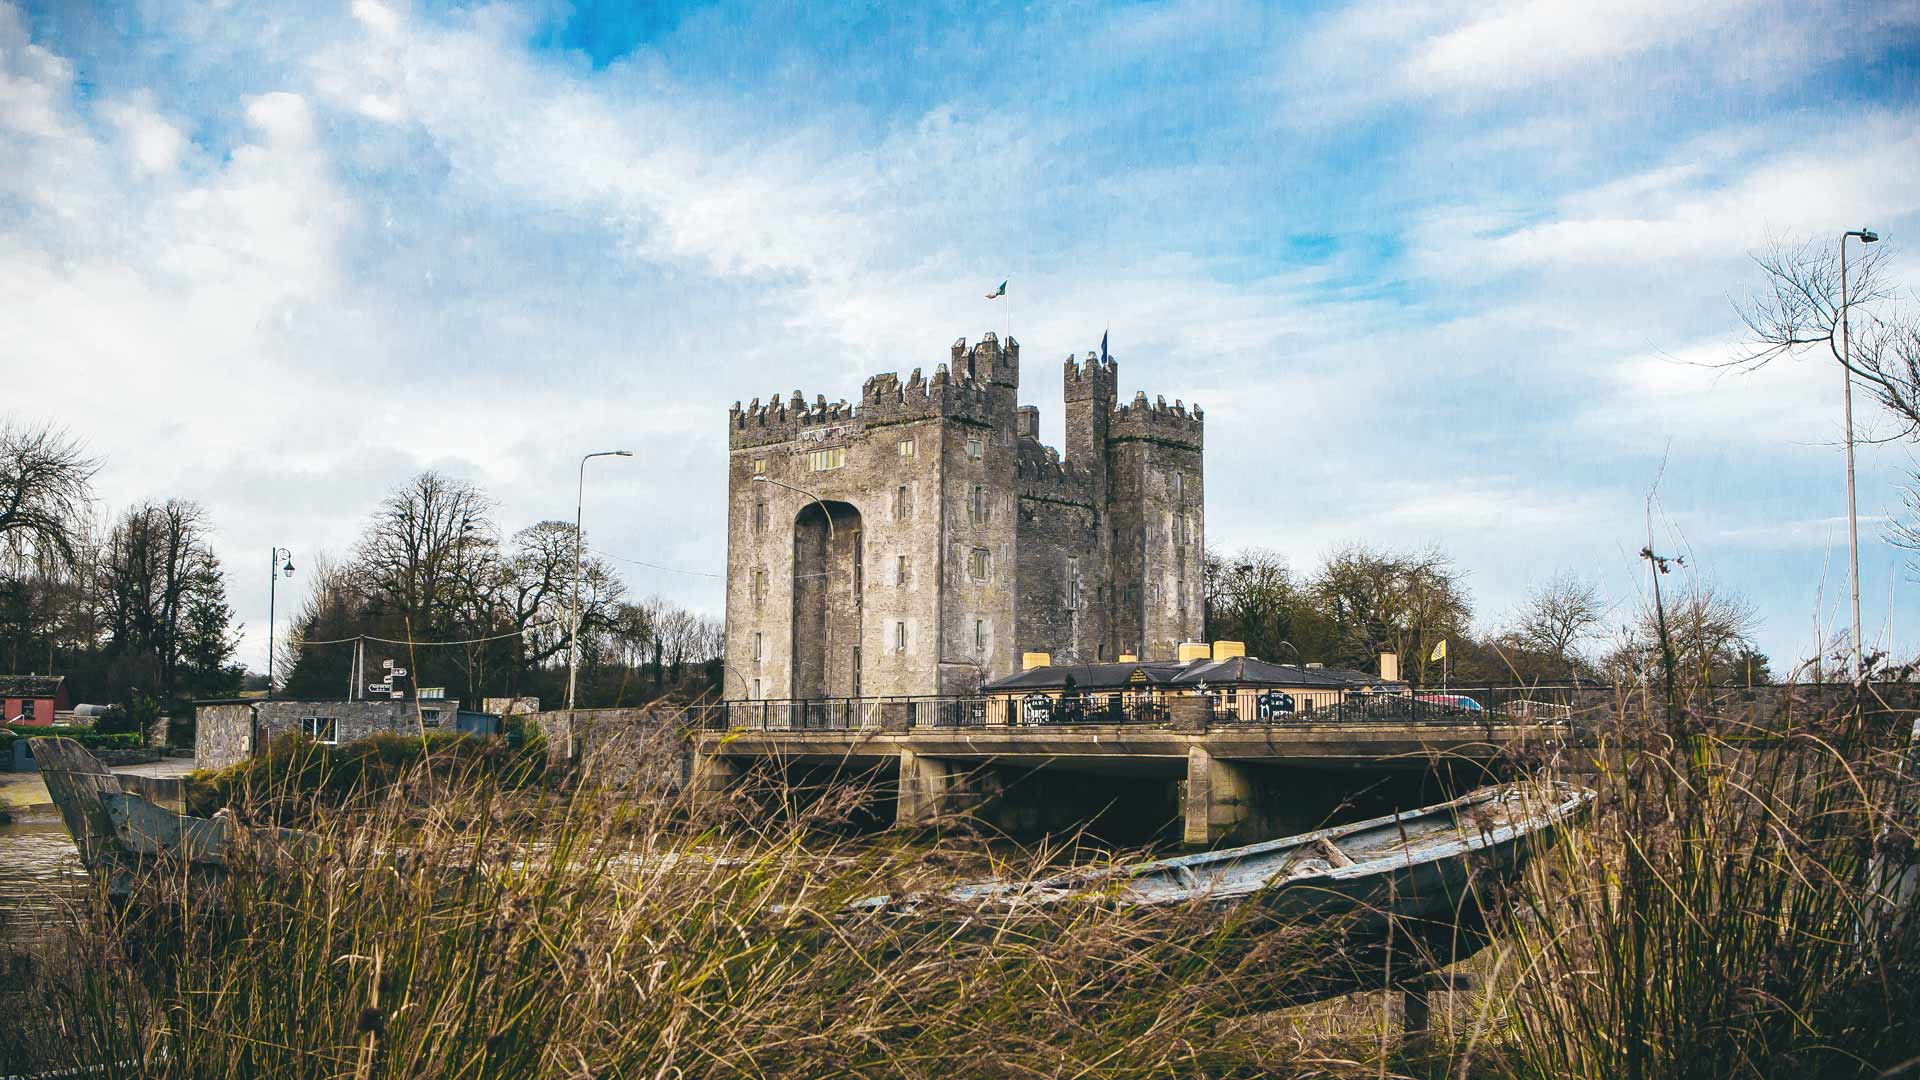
[{"x": 827, "y": 580}]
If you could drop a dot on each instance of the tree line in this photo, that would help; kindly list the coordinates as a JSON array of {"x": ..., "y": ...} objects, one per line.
[
  {"x": 132, "y": 608},
  {"x": 441, "y": 591},
  {"x": 1364, "y": 601}
]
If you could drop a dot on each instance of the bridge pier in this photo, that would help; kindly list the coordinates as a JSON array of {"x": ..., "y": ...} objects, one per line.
[
  {"x": 711, "y": 776},
  {"x": 1219, "y": 796},
  {"x": 929, "y": 787}
]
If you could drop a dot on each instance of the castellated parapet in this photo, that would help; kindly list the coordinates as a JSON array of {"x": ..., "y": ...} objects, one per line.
[{"x": 937, "y": 538}]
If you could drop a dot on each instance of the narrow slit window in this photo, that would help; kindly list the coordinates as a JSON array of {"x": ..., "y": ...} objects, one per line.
[{"x": 899, "y": 637}]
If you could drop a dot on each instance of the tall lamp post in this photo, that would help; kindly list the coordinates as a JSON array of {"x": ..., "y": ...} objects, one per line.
[
  {"x": 1866, "y": 236},
  {"x": 579, "y": 546},
  {"x": 274, "y": 570},
  {"x": 828, "y": 514}
]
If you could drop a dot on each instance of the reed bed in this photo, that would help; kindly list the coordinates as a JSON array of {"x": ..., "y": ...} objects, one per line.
[
  {"x": 500, "y": 930},
  {"x": 1728, "y": 909}
]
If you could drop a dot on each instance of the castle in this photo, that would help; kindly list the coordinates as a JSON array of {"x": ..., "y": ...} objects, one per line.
[{"x": 920, "y": 542}]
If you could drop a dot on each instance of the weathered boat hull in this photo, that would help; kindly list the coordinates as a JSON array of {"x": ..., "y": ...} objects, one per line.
[{"x": 1411, "y": 897}]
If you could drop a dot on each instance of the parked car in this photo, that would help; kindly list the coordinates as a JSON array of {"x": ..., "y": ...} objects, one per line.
[{"x": 1456, "y": 701}]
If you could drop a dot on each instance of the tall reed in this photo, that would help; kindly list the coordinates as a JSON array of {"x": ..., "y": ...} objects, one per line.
[
  {"x": 494, "y": 930},
  {"x": 1728, "y": 911}
]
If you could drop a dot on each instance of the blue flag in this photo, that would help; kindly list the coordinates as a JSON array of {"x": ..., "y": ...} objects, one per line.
[{"x": 1103, "y": 346}]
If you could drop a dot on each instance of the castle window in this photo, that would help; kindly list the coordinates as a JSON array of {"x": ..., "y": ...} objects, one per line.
[
  {"x": 1178, "y": 481},
  {"x": 906, "y": 448},
  {"x": 979, "y": 633},
  {"x": 759, "y": 587},
  {"x": 759, "y": 642},
  {"x": 1073, "y": 584},
  {"x": 824, "y": 460},
  {"x": 899, "y": 637},
  {"x": 980, "y": 564},
  {"x": 760, "y": 516},
  {"x": 902, "y": 503},
  {"x": 974, "y": 449},
  {"x": 1180, "y": 593},
  {"x": 759, "y": 466},
  {"x": 978, "y": 509},
  {"x": 901, "y": 567},
  {"x": 1179, "y": 528},
  {"x": 756, "y": 688}
]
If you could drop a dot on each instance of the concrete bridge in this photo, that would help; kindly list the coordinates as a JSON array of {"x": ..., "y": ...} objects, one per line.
[{"x": 1248, "y": 781}]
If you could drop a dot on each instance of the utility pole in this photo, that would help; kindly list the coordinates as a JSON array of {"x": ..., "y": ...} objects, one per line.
[{"x": 274, "y": 570}]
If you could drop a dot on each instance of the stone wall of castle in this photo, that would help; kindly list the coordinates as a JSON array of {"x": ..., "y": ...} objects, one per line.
[{"x": 957, "y": 539}]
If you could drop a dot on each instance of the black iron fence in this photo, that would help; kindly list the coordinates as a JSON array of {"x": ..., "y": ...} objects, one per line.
[{"x": 1152, "y": 707}]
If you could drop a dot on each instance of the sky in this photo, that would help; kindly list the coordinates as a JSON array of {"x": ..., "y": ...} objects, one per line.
[{"x": 1440, "y": 273}]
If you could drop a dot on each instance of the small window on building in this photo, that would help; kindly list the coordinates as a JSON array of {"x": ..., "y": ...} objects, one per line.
[
  {"x": 824, "y": 460},
  {"x": 980, "y": 564},
  {"x": 759, "y": 644},
  {"x": 321, "y": 729},
  {"x": 429, "y": 717},
  {"x": 979, "y": 633},
  {"x": 899, "y": 637},
  {"x": 759, "y": 466},
  {"x": 906, "y": 448},
  {"x": 902, "y": 570},
  {"x": 1180, "y": 593},
  {"x": 1180, "y": 530},
  {"x": 759, "y": 587},
  {"x": 756, "y": 689},
  {"x": 975, "y": 449},
  {"x": 978, "y": 508},
  {"x": 1073, "y": 584},
  {"x": 902, "y": 503},
  {"x": 760, "y": 516},
  {"x": 1179, "y": 484}
]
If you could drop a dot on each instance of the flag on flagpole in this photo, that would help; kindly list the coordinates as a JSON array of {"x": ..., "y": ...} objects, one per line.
[
  {"x": 1439, "y": 651},
  {"x": 999, "y": 292},
  {"x": 1103, "y": 348}
]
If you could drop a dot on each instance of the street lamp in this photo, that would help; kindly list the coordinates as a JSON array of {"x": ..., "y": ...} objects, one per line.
[
  {"x": 1866, "y": 236},
  {"x": 274, "y": 570},
  {"x": 579, "y": 545},
  {"x": 823, "y": 506}
]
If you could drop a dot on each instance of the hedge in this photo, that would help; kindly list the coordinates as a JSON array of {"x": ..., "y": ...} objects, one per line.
[
  {"x": 295, "y": 767},
  {"x": 85, "y": 736}
]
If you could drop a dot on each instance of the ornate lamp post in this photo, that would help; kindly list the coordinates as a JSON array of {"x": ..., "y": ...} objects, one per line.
[{"x": 275, "y": 568}]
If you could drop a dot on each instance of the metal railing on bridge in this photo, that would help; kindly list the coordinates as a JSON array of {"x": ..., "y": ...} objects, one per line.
[{"x": 1148, "y": 707}]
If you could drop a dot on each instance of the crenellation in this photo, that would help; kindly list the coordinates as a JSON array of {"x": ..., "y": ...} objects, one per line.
[{"x": 959, "y": 539}]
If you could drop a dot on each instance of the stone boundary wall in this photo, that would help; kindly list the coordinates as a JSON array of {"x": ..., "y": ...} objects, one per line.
[{"x": 644, "y": 747}]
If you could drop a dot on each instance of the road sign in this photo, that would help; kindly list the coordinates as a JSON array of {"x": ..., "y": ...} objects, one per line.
[
  {"x": 396, "y": 673},
  {"x": 386, "y": 663},
  {"x": 379, "y": 688}
]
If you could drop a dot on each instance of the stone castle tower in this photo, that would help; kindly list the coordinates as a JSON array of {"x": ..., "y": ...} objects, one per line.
[{"x": 951, "y": 540}]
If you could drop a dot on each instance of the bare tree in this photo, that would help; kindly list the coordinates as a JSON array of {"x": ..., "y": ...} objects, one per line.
[
  {"x": 428, "y": 555},
  {"x": 1801, "y": 309},
  {"x": 46, "y": 489},
  {"x": 1252, "y": 597},
  {"x": 156, "y": 567},
  {"x": 1400, "y": 602},
  {"x": 1712, "y": 634},
  {"x": 1557, "y": 615}
]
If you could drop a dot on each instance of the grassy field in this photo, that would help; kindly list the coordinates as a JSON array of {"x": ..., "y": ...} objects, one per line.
[{"x": 1720, "y": 914}]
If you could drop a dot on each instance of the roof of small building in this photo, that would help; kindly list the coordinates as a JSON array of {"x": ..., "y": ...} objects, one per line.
[
  {"x": 1234, "y": 671},
  {"x": 31, "y": 686}
]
